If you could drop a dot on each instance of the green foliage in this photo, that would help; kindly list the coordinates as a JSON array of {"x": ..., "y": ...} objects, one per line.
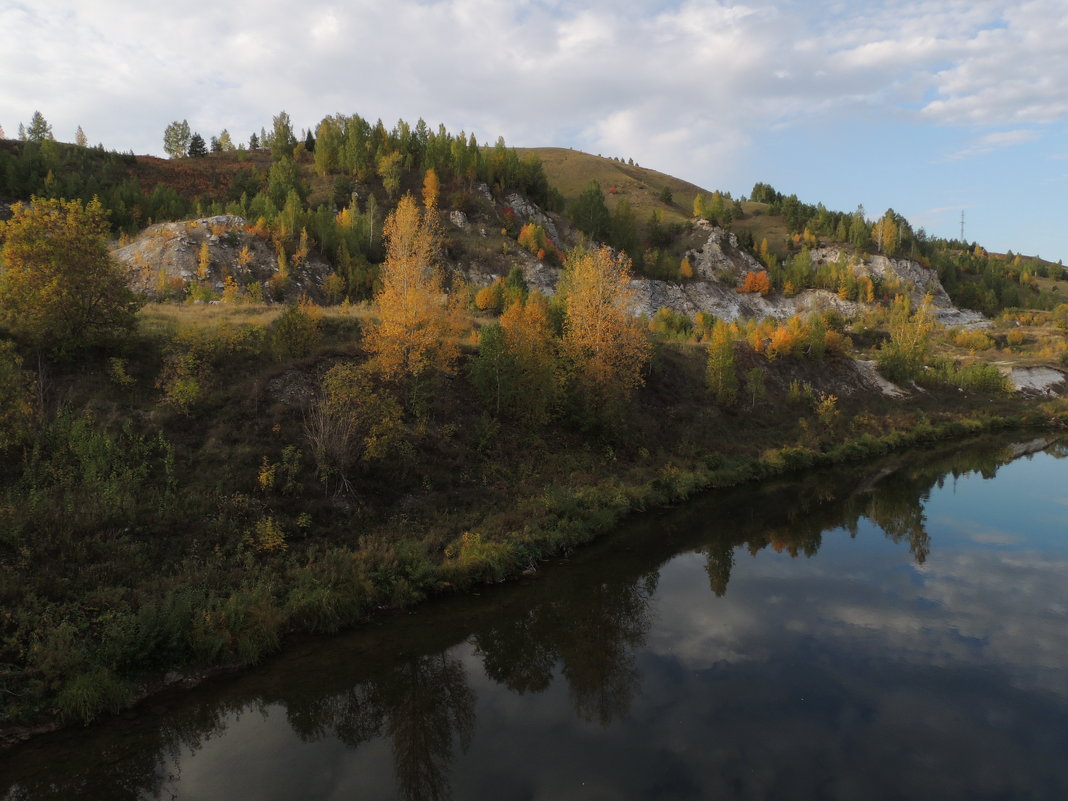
[
  {"x": 902, "y": 357},
  {"x": 495, "y": 372},
  {"x": 16, "y": 398},
  {"x": 39, "y": 129},
  {"x": 296, "y": 332},
  {"x": 59, "y": 288},
  {"x": 80, "y": 477},
  {"x": 176, "y": 139},
  {"x": 720, "y": 375},
  {"x": 472, "y": 558},
  {"x": 970, "y": 376},
  {"x": 197, "y": 147},
  {"x": 590, "y": 214},
  {"x": 355, "y": 421},
  {"x": 671, "y": 326},
  {"x": 755, "y": 388},
  {"x": 191, "y": 360}
]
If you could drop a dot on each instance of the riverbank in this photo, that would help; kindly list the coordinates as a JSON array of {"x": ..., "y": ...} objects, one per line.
[{"x": 145, "y": 545}]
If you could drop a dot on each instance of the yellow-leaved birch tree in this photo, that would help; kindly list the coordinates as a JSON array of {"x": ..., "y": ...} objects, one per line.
[
  {"x": 604, "y": 342},
  {"x": 419, "y": 326}
]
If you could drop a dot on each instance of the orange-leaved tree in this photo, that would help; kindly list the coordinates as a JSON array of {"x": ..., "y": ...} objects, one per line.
[
  {"x": 603, "y": 340},
  {"x": 756, "y": 281},
  {"x": 419, "y": 327}
]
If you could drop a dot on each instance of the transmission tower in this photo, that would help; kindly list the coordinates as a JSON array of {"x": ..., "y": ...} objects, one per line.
[{"x": 962, "y": 225}]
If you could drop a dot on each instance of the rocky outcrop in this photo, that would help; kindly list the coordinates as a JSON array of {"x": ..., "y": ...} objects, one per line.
[
  {"x": 164, "y": 259},
  {"x": 921, "y": 281},
  {"x": 1038, "y": 380},
  {"x": 529, "y": 212},
  {"x": 721, "y": 258}
]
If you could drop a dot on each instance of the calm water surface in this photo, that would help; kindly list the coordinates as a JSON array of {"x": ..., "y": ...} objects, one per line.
[{"x": 896, "y": 630}]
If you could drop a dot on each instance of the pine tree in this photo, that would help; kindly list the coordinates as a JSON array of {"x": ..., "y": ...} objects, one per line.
[
  {"x": 39, "y": 129},
  {"x": 197, "y": 147}
]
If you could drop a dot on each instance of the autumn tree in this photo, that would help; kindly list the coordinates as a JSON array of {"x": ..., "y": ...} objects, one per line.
[
  {"x": 531, "y": 378},
  {"x": 756, "y": 281},
  {"x": 902, "y": 358},
  {"x": 720, "y": 375},
  {"x": 79, "y": 138},
  {"x": 176, "y": 139},
  {"x": 418, "y": 326},
  {"x": 604, "y": 343},
  {"x": 390, "y": 167},
  {"x": 431, "y": 189},
  {"x": 886, "y": 234},
  {"x": 204, "y": 261},
  {"x": 59, "y": 287}
]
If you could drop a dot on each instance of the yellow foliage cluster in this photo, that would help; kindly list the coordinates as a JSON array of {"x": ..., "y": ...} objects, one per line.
[
  {"x": 602, "y": 339},
  {"x": 795, "y": 336},
  {"x": 973, "y": 340},
  {"x": 490, "y": 298},
  {"x": 419, "y": 327},
  {"x": 528, "y": 335},
  {"x": 805, "y": 238}
]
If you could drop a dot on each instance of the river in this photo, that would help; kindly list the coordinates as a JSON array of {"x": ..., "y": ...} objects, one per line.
[{"x": 886, "y": 631}]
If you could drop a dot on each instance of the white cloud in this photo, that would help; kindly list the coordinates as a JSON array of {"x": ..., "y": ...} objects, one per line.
[
  {"x": 990, "y": 142},
  {"x": 683, "y": 86}
]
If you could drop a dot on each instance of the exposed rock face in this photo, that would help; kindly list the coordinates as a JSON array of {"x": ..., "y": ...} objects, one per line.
[
  {"x": 721, "y": 257},
  {"x": 921, "y": 280},
  {"x": 719, "y": 266},
  {"x": 727, "y": 304},
  {"x": 459, "y": 219},
  {"x": 163, "y": 259},
  {"x": 1043, "y": 380},
  {"x": 529, "y": 212}
]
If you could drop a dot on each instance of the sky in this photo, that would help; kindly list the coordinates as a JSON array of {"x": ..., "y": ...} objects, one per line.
[{"x": 930, "y": 108}]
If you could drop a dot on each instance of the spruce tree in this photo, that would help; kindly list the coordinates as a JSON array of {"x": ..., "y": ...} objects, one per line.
[{"x": 197, "y": 147}]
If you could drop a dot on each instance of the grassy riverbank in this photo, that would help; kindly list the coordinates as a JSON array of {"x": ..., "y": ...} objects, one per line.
[{"x": 149, "y": 529}]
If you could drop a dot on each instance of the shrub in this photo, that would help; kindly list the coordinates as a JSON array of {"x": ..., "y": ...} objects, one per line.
[{"x": 296, "y": 332}]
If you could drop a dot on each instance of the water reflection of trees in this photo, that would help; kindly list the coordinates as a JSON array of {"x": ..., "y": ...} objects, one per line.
[
  {"x": 424, "y": 706},
  {"x": 592, "y": 632},
  {"x": 583, "y": 628},
  {"x": 791, "y": 517}
]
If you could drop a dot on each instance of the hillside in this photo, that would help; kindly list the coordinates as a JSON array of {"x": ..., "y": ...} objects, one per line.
[{"x": 301, "y": 432}]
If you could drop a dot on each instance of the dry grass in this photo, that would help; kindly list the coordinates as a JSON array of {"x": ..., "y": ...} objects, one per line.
[
  {"x": 570, "y": 172},
  {"x": 168, "y": 319}
]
